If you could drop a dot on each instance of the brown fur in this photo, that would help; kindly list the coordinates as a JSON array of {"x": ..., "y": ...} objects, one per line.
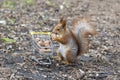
[
  {"x": 63, "y": 35},
  {"x": 60, "y": 30},
  {"x": 83, "y": 42},
  {"x": 76, "y": 41},
  {"x": 70, "y": 57},
  {"x": 78, "y": 20}
]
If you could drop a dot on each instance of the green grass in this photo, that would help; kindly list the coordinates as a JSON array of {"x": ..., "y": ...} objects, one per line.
[
  {"x": 29, "y": 2},
  {"x": 8, "y": 4},
  {"x": 11, "y": 21},
  {"x": 8, "y": 40},
  {"x": 12, "y": 3}
]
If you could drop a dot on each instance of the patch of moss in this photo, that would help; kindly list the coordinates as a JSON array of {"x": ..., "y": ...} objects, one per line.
[
  {"x": 29, "y": 2},
  {"x": 8, "y": 4}
]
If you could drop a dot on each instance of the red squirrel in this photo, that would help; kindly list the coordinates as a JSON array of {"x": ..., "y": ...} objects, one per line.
[{"x": 73, "y": 41}]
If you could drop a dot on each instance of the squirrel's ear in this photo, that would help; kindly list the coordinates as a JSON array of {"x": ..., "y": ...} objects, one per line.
[{"x": 63, "y": 21}]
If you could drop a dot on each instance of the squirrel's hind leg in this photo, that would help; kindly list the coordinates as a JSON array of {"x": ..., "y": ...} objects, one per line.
[{"x": 70, "y": 57}]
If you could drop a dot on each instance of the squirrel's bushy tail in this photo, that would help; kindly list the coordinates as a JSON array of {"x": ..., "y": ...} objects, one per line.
[{"x": 82, "y": 30}]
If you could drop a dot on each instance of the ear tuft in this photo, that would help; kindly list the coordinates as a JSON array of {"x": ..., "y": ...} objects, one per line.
[{"x": 63, "y": 21}]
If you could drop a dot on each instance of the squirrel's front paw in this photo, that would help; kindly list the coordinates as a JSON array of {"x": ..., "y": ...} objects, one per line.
[
  {"x": 54, "y": 37},
  {"x": 65, "y": 62}
]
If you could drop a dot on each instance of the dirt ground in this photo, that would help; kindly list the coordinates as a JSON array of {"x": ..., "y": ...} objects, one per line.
[{"x": 18, "y": 17}]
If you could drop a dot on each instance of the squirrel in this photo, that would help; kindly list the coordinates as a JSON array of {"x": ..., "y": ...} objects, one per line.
[{"x": 73, "y": 41}]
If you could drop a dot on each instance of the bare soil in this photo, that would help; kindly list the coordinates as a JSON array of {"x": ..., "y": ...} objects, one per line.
[{"x": 18, "y": 17}]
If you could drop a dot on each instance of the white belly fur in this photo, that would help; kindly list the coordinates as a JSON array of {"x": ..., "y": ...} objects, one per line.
[{"x": 72, "y": 46}]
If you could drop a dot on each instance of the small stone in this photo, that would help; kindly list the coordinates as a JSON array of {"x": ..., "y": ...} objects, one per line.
[
  {"x": 61, "y": 6},
  {"x": 3, "y": 22},
  {"x": 44, "y": 76}
]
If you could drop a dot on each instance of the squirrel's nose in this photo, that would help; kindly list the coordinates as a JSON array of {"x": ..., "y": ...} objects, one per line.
[{"x": 54, "y": 32}]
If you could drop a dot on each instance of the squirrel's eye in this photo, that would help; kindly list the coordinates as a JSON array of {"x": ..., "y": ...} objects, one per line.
[{"x": 58, "y": 29}]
